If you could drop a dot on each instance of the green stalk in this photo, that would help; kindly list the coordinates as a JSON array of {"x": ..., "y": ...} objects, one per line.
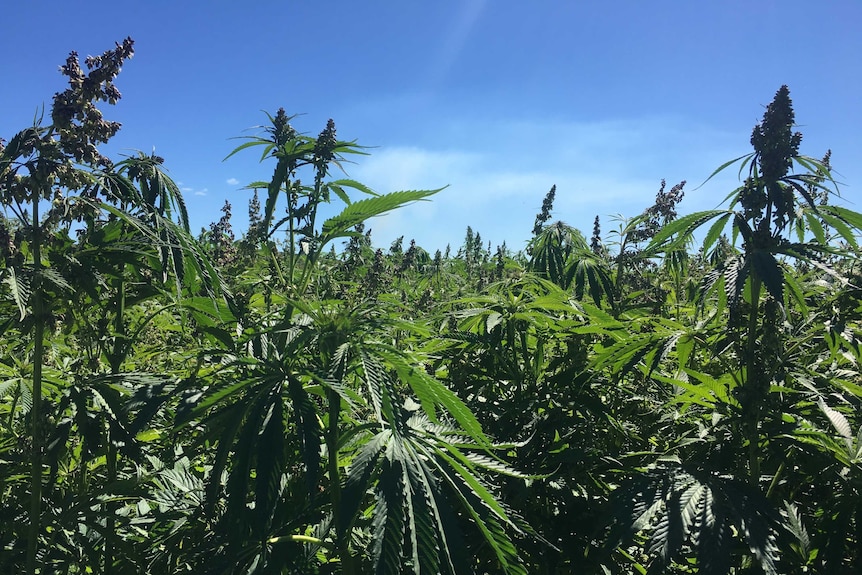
[
  {"x": 525, "y": 352},
  {"x": 315, "y": 251},
  {"x": 292, "y": 235},
  {"x": 117, "y": 355},
  {"x": 617, "y": 302},
  {"x": 774, "y": 483},
  {"x": 752, "y": 381},
  {"x": 36, "y": 409},
  {"x": 754, "y": 371},
  {"x": 334, "y": 400}
]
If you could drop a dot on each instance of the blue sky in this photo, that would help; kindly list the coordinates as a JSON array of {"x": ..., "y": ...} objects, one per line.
[{"x": 497, "y": 99}]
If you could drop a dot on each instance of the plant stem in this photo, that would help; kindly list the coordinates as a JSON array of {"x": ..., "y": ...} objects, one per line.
[
  {"x": 334, "y": 400},
  {"x": 116, "y": 357},
  {"x": 775, "y": 480},
  {"x": 292, "y": 237},
  {"x": 36, "y": 409},
  {"x": 753, "y": 382}
]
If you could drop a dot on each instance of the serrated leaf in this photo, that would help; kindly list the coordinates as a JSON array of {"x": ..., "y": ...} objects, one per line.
[
  {"x": 359, "y": 211},
  {"x": 769, "y": 271},
  {"x": 837, "y": 419},
  {"x": 432, "y": 392},
  {"x": 683, "y": 227},
  {"x": 19, "y": 289},
  {"x": 797, "y": 529}
]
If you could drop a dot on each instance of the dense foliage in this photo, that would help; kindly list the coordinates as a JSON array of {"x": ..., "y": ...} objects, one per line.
[{"x": 683, "y": 399}]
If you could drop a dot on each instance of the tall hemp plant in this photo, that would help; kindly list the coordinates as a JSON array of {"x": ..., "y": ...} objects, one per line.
[
  {"x": 36, "y": 164},
  {"x": 75, "y": 297},
  {"x": 333, "y": 445},
  {"x": 696, "y": 508}
]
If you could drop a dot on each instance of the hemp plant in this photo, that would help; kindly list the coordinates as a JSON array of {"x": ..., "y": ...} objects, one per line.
[
  {"x": 37, "y": 164},
  {"x": 753, "y": 334},
  {"x": 778, "y": 214},
  {"x": 295, "y": 153}
]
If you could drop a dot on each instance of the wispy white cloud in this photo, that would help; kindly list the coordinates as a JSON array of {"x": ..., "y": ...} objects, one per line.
[
  {"x": 232, "y": 182},
  {"x": 202, "y": 192},
  {"x": 600, "y": 168}
]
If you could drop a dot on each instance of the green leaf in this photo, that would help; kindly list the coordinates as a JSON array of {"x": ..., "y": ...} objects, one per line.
[
  {"x": 796, "y": 527},
  {"x": 308, "y": 432},
  {"x": 359, "y": 211},
  {"x": 279, "y": 178},
  {"x": 796, "y": 294},
  {"x": 837, "y": 419},
  {"x": 20, "y": 290},
  {"x": 769, "y": 271},
  {"x": 249, "y": 144},
  {"x": 347, "y": 183},
  {"x": 745, "y": 159},
  {"x": 853, "y": 219},
  {"x": 683, "y": 227},
  {"x": 360, "y": 474},
  {"x": 715, "y": 232},
  {"x": 381, "y": 390},
  {"x": 432, "y": 392},
  {"x": 388, "y": 519},
  {"x": 815, "y": 226},
  {"x": 271, "y": 461}
]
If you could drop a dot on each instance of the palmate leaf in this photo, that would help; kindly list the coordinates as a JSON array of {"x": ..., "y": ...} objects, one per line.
[
  {"x": 388, "y": 522},
  {"x": 159, "y": 194},
  {"x": 838, "y": 421},
  {"x": 307, "y": 425},
  {"x": 713, "y": 540},
  {"x": 846, "y": 222},
  {"x": 19, "y": 287},
  {"x": 475, "y": 498},
  {"x": 682, "y": 228},
  {"x": 674, "y": 526},
  {"x": 359, "y": 211},
  {"x": 423, "y": 484},
  {"x": 23, "y": 386},
  {"x": 764, "y": 265},
  {"x": 651, "y": 344},
  {"x": 549, "y": 261},
  {"x": 20, "y": 142},
  {"x": 432, "y": 393},
  {"x": 338, "y": 185},
  {"x": 381, "y": 390},
  {"x": 735, "y": 272},
  {"x": 425, "y": 521},
  {"x": 8, "y": 386},
  {"x": 245, "y": 449},
  {"x": 746, "y": 159},
  {"x": 181, "y": 259},
  {"x": 414, "y": 504},
  {"x": 362, "y": 470},
  {"x": 795, "y": 294},
  {"x": 796, "y": 527},
  {"x": 715, "y": 232},
  {"x": 271, "y": 462},
  {"x": 625, "y": 354},
  {"x": 406, "y": 520},
  {"x": 487, "y": 519},
  {"x": 589, "y": 273},
  {"x": 51, "y": 277},
  {"x": 703, "y": 510}
]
